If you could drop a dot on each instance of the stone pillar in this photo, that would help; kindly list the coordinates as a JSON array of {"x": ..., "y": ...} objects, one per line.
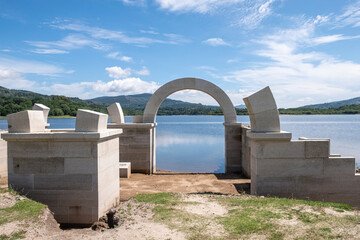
[
  {"x": 245, "y": 154},
  {"x": 75, "y": 173},
  {"x": 137, "y": 145},
  {"x": 3, "y": 158},
  {"x": 233, "y": 147}
]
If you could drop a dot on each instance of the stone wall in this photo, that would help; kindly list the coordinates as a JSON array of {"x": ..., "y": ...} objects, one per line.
[
  {"x": 3, "y": 157},
  {"x": 302, "y": 169},
  {"x": 245, "y": 152},
  {"x": 233, "y": 149},
  {"x": 75, "y": 173},
  {"x": 137, "y": 146}
]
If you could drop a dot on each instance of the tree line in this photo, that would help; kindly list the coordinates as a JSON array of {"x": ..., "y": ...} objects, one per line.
[{"x": 64, "y": 106}]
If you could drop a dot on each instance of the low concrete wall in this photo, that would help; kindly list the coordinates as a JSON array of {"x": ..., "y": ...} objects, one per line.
[
  {"x": 302, "y": 169},
  {"x": 245, "y": 152},
  {"x": 137, "y": 146},
  {"x": 3, "y": 157},
  {"x": 233, "y": 149},
  {"x": 75, "y": 173}
]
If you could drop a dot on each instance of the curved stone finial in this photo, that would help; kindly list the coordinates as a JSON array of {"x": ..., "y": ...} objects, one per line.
[
  {"x": 263, "y": 112},
  {"x": 43, "y": 108},
  {"x": 116, "y": 113},
  {"x": 189, "y": 83},
  {"x": 90, "y": 121},
  {"x": 28, "y": 121}
]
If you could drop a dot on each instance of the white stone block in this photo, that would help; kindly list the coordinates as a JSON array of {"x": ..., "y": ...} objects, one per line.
[
  {"x": 90, "y": 121},
  {"x": 137, "y": 119},
  {"x": 260, "y": 101},
  {"x": 43, "y": 108},
  {"x": 116, "y": 113},
  {"x": 263, "y": 112},
  {"x": 29, "y": 121},
  {"x": 125, "y": 169}
]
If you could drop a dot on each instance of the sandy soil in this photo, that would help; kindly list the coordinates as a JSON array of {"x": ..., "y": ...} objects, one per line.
[
  {"x": 182, "y": 183},
  {"x": 137, "y": 222}
]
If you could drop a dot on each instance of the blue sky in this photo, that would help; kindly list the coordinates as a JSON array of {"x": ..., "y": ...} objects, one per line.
[{"x": 306, "y": 51}]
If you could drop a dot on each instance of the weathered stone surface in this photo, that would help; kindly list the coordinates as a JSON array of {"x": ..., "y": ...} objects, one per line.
[
  {"x": 125, "y": 169},
  {"x": 90, "y": 121},
  {"x": 263, "y": 113},
  {"x": 43, "y": 108},
  {"x": 189, "y": 83},
  {"x": 116, "y": 113},
  {"x": 3, "y": 158},
  {"x": 35, "y": 165},
  {"x": 75, "y": 174},
  {"x": 29, "y": 121}
]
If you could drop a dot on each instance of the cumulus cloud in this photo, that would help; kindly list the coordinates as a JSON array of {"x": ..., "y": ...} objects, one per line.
[
  {"x": 216, "y": 42},
  {"x": 124, "y": 86},
  {"x": 118, "y": 72}
]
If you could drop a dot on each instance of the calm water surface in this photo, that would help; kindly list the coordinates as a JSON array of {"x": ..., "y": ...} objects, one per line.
[{"x": 196, "y": 143}]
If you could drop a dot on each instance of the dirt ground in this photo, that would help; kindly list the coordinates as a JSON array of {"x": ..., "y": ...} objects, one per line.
[
  {"x": 164, "y": 181},
  {"x": 137, "y": 224}
]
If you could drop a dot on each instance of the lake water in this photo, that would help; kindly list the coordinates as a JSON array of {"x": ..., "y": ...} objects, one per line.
[{"x": 196, "y": 143}]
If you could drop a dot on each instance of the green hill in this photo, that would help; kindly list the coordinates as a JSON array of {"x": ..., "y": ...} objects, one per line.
[
  {"x": 353, "y": 101},
  {"x": 18, "y": 100},
  {"x": 12, "y": 101}
]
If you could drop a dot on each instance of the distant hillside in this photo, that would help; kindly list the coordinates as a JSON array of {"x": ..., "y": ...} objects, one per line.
[
  {"x": 353, "y": 101},
  {"x": 12, "y": 101},
  {"x": 140, "y": 101}
]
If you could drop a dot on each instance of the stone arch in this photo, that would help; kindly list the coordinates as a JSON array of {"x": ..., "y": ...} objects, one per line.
[{"x": 176, "y": 85}]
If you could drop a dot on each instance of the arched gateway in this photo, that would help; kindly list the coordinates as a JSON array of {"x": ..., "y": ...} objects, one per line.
[
  {"x": 232, "y": 128},
  {"x": 185, "y": 84}
]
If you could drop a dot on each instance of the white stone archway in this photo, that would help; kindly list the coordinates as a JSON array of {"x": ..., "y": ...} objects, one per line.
[
  {"x": 189, "y": 84},
  {"x": 232, "y": 128}
]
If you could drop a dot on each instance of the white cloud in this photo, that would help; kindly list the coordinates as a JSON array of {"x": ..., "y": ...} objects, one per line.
[
  {"x": 118, "y": 72},
  {"x": 106, "y": 34},
  {"x": 143, "y": 72},
  {"x": 34, "y": 67},
  {"x": 297, "y": 76},
  {"x": 253, "y": 13},
  {"x": 149, "y": 32},
  {"x": 134, "y": 2},
  {"x": 199, "y": 6},
  {"x": 332, "y": 38},
  {"x": 350, "y": 17},
  {"x": 216, "y": 42},
  {"x": 73, "y": 41},
  {"x": 117, "y": 56},
  {"x": 124, "y": 86},
  {"x": 49, "y": 51},
  {"x": 10, "y": 78}
]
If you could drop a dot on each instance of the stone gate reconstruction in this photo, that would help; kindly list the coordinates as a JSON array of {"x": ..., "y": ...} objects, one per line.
[{"x": 76, "y": 172}]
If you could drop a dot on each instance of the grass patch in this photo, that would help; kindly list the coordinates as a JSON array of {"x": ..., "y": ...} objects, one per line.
[
  {"x": 16, "y": 235},
  {"x": 256, "y": 217},
  {"x": 157, "y": 198},
  {"x": 26, "y": 209}
]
